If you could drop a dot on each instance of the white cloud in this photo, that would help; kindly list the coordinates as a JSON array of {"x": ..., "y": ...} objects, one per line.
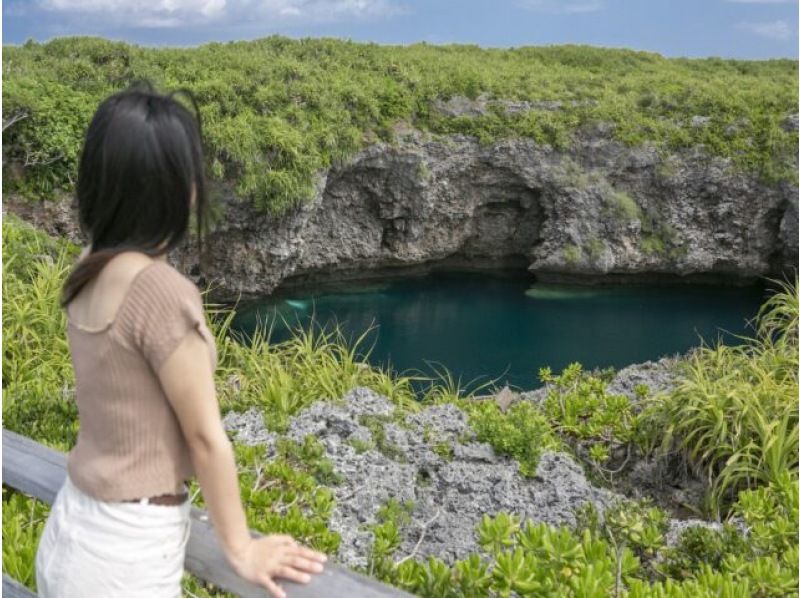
[
  {"x": 322, "y": 10},
  {"x": 175, "y": 13},
  {"x": 142, "y": 13},
  {"x": 562, "y": 6},
  {"x": 779, "y": 30}
]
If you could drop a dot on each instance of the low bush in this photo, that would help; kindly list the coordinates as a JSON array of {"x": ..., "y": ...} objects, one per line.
[
  {"x": 521, "y": 432},
  {"x": 278, "y": 111},
  {"x": 621, "y": 552}
]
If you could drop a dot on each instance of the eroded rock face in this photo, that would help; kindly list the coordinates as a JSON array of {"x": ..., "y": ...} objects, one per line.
[
  {"x": 450, "y": 493},
  {"x": 600, "y": 210},
  {"x": 450, "y": 489}
]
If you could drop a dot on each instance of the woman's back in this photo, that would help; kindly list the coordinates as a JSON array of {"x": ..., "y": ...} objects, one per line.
[
  {"x": 144, "y": 363},
  {"x": 99, "y": 300},
  {"x": 121, "y": 330}
]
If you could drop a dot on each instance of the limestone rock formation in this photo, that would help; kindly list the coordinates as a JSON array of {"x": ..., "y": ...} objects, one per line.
[
  {"x": 450, "y": 490},
  {"x": 599, "y": 210}
]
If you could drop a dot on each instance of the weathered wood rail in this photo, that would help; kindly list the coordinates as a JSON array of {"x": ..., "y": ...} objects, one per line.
[
  {"x": 40, "y": 471},
  {"x": 13, "y": 589}
]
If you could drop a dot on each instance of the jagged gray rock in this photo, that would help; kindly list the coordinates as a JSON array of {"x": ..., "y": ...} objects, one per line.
[
  {"x": 658, "y": 376},
  {"x": 248, "y": 428},
  {"x": 450, "y": 490},
  {"x": 599, "y": 210},
  {"x": 450, "y": 494}
]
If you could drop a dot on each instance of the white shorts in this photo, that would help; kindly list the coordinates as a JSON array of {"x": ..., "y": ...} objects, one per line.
[{"x": 91, "y": 548}]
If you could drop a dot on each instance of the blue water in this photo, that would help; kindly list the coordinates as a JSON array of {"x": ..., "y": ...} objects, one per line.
[{"x": 483, "y": 327}]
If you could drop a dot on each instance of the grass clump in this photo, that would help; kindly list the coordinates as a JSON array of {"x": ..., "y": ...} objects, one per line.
[
  {"x": 624, "y": 206},
  {"x": 375, "y": 424},
  {"x": 310, "y": 455},
  {"x": 278, "y": 111},
  {"x": 38, "y": 379},
  {"x": 595, "y": 248},
  {"x": 572, "y": 254},
  {"x": 23, "y": 523},
  {"x": 284, "y": 378},
  {"x": 734, "y": 412},
  {"x": 444, "y": 449},
  {"x": 653, "y": 245},
  {"x": 361, "y": 446},
  {"x": 660, "y": 238}
]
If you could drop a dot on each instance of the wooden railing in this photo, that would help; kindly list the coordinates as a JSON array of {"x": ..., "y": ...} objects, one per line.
[{"x": 40, "y": 471}]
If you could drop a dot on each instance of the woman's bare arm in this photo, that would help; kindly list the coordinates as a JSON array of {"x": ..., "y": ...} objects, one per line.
[{"x": 188, "y": 382}]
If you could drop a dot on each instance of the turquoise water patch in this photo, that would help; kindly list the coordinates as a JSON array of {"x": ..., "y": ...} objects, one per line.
[
  {"x": 483, "y": 326},
  {"x": 558, "y": 292},
  {"x": 296, "y": 304}
]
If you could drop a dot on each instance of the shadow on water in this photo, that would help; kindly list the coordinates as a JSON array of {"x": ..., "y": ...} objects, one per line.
[{"x": 481, "y": 327}]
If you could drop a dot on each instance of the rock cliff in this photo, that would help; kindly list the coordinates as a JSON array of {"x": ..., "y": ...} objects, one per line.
[{"x": 600, "y": 210}]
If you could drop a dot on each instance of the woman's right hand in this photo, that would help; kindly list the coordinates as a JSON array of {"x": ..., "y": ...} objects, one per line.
[{"x": 265, "y": 558}]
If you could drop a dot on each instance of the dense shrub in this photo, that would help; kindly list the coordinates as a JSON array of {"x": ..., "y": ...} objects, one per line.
[{"x": 277, "y": 110}]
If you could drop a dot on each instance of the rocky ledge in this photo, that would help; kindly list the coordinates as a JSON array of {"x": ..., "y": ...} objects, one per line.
[
  {"x": 599, "y": 210},
  {"x": 451, "y": 490}
]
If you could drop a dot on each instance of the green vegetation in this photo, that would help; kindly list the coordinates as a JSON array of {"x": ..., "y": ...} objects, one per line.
[
  {"x": 361, "y": 446},
  {"x": 38, "y": 380},
  {"x": 582, "y": 412},
  {"x": 310, "y": 455},
  {"x": 595, "y": 248},
  {"x": 733, "y": 417},
  {"x": 734, "y": 414},
  {"x": 574, "y": 175},
  {"x": 444, "y": 449},
  {"x": 660, "y": 238},
  {"x": 620, "y": 553},
  {"x": 521, "y": 432},
  {"x": 278, "y": 110},
  {"x": 375, "y": 424},
  {"x": 653, "y": 245},
  {"x": 391, "y": 518},
  {"x": 283, "y": 496},
  {"x": 572, "y": 254},
  {"x": 23, "y": 523},
  {"x": 624, "y": 206}
]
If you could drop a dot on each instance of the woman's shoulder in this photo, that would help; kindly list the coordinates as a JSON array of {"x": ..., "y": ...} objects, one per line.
[
  {"x": 125, "y": 268},
  {"x": 163, "y": 273},
  {"x": 143, "y": 272}
]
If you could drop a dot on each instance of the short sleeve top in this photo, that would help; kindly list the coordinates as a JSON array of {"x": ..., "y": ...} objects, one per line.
[
  {"x": 161, "y": 307},
  {"x": 130, "y": 442}
]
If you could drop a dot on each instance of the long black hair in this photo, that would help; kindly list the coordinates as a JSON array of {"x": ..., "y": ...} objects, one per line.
[{"x": 141, "y": 161}]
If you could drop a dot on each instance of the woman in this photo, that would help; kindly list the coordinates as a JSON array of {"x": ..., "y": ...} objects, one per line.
[{"x": 144, "y": 361}]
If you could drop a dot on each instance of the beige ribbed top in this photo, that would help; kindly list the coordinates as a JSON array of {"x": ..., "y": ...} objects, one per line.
[{"x": 130, "y": 443}]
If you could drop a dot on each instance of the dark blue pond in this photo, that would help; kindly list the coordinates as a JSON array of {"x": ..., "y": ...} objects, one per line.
[{"x": 482, "y": 326}]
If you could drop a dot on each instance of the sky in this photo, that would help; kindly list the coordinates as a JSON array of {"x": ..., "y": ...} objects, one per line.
[{"x": 748, "y": 29}]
